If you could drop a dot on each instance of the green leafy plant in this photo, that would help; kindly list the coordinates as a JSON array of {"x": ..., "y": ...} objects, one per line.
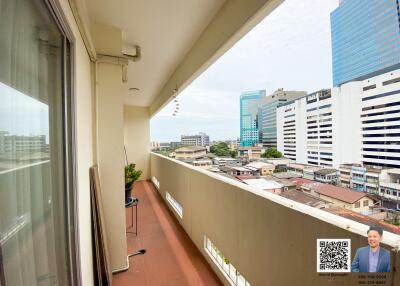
[
  {"x": 271, "y": 153},
  {"x": 131, "y": 174},
  {"x": 222, "y": 149}
]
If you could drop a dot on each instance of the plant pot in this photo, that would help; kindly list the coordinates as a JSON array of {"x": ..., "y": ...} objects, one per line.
[{"x": 128, "y": 192}]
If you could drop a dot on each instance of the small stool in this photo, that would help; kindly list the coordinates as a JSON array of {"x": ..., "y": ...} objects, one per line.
[{"x": 133, "y": 202}]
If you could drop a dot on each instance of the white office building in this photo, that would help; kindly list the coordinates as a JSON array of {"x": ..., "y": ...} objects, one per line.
[
  {"x": 356, "y": 122},
  {"x": 380, "y": 120},
  {"x": 200, "y": 139}
]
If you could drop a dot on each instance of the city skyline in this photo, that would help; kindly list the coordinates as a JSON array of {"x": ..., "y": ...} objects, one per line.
[{"x": 273, "y": 55}]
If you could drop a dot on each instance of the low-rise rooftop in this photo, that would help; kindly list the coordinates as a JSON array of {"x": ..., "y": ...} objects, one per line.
[
  {"x": 324, "y": 172},
  {"x": 191, "y": 148},
  {"x": 305, "y": 199},
  {"x": 259, "y": 165},
  {"x": 286, "y": 175},
  {"x": 363, "y": 219},
  {"x": 263, "y": 184},
  {"x": 343, "y": 194}
]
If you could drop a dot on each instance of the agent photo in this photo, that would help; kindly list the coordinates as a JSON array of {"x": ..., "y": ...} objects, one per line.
[{"x": 372, "y": 258}]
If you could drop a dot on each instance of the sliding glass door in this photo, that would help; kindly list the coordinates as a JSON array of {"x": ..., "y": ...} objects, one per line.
[{"x": 35, "y": 169}]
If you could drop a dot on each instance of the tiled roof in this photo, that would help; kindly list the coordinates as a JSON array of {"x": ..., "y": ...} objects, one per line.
[
  {"x": 363, "y": 219},
  {"x": 343, "y": 194},
  {"x": 304, "y": 198}
]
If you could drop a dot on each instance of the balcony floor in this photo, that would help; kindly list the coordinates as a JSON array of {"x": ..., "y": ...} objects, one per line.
[{"x": 171, "y": 257}]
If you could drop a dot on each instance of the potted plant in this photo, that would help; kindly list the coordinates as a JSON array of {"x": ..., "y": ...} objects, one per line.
[{"x": 131, "y": 175}]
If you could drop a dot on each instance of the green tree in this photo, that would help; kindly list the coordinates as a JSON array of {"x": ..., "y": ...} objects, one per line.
[
  {"x": 220, "y": 149},
  {"x": 271, "y": 153},
  {"x": 234, "y": 153}
]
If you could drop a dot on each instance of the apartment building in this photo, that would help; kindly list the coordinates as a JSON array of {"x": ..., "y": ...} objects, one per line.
[
  {"x": 18, "y": 143},
  {"x": 190, "y": 152},
  {"x": 307, "y": 127},
  {"x": 201, "y": 139},
  {"x": 378, "y": 181},
  {"x": 380, "y": 120},
  {"x": 389, "y": 188},
  {"x": 251, "y": 153},
  {"x": 345, "y": 175},
  {"x": 356, "y": 122}
]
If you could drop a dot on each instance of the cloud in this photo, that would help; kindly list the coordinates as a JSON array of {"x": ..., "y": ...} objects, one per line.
[{"x": 289, "y": 49}]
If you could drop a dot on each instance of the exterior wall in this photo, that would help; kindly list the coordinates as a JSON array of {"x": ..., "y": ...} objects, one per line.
[
  {"x": 110, "y": 156},
  {"x": 267, "y": 170},
  {"x": 137, "y": 138},
  {"x": 287, "y": 127},
  {"x": 190, "y": 154},
  {"x": 249, "y": 102},
  {"x": 324, "y": 126},
  {"x": 279, "y": 250},
  {"x": 372, "y": 182},
  {"x": 251, "y": 153},
  {"x": 329, "y": 178},
  {"x": 358, "y": 178},
  {"x": 319, "y": 128},
  {"x": 345, "y": 176},
  {"x": 268, "y": 115},
  {"x": 85, "y": 146},
  {"x": 267, "y": 128},
  {"x": 380, "y": 120},
  {"x": 196, "y": 140},
  {"x": 308, "y": 174},
  {"x": 367, "y": 25},
  {"x": 346, "y": 130},
  {"x": 389, "y": 188}
]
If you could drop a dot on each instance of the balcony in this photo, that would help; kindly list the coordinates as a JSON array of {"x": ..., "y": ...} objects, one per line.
[
  {"x": 169, "y": 251},
  {"x": 109, "y": 94},
  {"x": 390, "y": 185},
  {"x": 258, "y": 232}
]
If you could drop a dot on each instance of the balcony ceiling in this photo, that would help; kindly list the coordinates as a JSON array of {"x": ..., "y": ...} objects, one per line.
[{"x": 165, "y": 31}]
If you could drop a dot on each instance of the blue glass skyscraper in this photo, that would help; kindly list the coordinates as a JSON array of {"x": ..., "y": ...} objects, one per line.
[
  {"x": 249, "y": 103},
  {"x": 365, "y": 39}
]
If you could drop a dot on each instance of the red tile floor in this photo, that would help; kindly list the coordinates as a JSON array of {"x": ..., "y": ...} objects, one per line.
[{"x": 171, "y": 258}]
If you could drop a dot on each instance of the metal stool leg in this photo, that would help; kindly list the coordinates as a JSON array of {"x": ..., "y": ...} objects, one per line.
[
  {"x": 136, "y": 220},
  {"x": 131, "y": 226}
]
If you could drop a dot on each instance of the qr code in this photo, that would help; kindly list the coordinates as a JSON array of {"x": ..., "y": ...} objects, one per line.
[{"x": 333, "y": 255}]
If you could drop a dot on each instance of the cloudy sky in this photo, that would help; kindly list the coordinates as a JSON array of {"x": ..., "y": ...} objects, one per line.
[{"x": 290, "y": 49}]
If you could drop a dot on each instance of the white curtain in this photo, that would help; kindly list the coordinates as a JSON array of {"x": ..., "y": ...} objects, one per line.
[{"x": 32, "y": 194}]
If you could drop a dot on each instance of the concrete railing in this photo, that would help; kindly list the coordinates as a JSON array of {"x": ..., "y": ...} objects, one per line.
[{"x": 270, "y": 240}]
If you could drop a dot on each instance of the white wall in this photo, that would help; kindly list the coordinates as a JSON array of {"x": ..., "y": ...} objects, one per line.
[
  {"x": 346, "y": 110},
  {"x": 301, "y": 131},
  {"x": 84, "y": 145},
  {"x": 110, "y": 156},
  {"x": 137, "y": 138}
]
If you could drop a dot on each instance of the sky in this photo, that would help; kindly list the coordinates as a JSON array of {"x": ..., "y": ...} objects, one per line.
[
  {"x": 290, "y": 49},
  {"x": 21, "y": 114}
]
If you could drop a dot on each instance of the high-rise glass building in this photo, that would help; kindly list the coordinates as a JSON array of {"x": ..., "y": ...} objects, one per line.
[
  {"x": 365, "y": 39},
  {"x": 249, "y": 103}
]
